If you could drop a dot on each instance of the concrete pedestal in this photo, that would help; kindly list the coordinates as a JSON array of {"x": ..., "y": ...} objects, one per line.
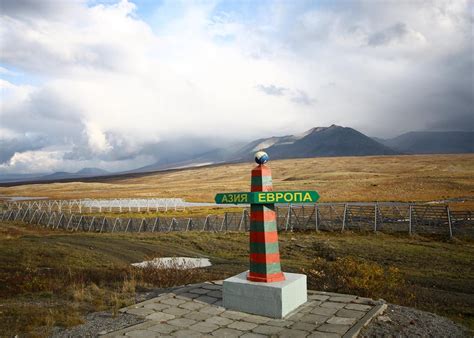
[{"x": 274, "y": 300}]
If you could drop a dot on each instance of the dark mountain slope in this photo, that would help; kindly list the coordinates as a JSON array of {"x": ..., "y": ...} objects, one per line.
[
  {"x": 330, "y": 141},
  {"x": 433, "y": 142}
]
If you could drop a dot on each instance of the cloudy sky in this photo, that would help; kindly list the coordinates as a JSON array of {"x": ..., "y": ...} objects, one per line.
[{"x": 102, "y": 83}]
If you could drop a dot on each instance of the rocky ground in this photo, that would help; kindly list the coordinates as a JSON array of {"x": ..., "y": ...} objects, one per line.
[
  {"x": 400, "y": 321},
  {"x": 98, "y": 322}
]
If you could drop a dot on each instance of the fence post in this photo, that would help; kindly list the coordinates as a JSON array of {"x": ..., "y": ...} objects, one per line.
[
  {"x": 26, "y": 212},
  {"x": 32, "y": 217},
  {"x": 115, "y": 223},
  {"x": 102, "y": 225},
  {"x": 79, "y": 223},
  {"x": 344, "y": 217},
  {"x": 292, "y": 225},
  {"x": 92, "y": 223},
  {"x": 173, "y": 224},
  {"x": 302, "y": 214},
  {"x": 316, "y": 216},
  {"x": 410, "y": 219},
  {"x": 141, "y": 225},
  {"x": 69, "y": 222},
  {"x": 375, "y": 217},
  {"x": 277, "y": 217},
  {"x": 17, "y": 214},
  {"x": 49, "y": 219},
  {"x": 59, "y": 222},
  {"x": 241, "y": 221},
  {"x": 246, "y": 216},
  {"x": 449, "y": 222},
  {"x": 288, "y": 217}
]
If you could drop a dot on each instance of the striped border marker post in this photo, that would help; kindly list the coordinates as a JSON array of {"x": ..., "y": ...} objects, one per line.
[{"x": 264, "y": 251}]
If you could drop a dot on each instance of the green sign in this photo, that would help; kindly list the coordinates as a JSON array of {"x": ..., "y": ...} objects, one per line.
[{"x": 267, "y": 197}]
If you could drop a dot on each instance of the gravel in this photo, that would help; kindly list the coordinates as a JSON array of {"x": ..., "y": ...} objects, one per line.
[
  {"x": 399, "y": 321},
  {"x": 98, "y": 322}
]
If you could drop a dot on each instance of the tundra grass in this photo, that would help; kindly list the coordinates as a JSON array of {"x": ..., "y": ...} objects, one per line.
[
  {"x": 183, "y": 213},
  {"x": 337, "y": 179},
  {"x": 53, "y": 278}
]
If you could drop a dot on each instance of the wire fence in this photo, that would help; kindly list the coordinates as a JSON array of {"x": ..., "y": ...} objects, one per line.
[
  {"x": 103, "y": 205},
  {"x": 384, "y": 217}
]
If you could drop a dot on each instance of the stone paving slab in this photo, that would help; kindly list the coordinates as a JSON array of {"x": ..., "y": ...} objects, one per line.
[{"x": 196, "y": 311}]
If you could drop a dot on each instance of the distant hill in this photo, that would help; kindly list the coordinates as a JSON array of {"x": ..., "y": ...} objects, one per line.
[
  {"x": 187, "y": 152},
  {"x": 18, "y": 177},
  {"x": 60, "y": 175},
  {"x": 320, "y": 141},
  {"x": 92, "y": 172},
  {"x": 324, "y": 141},
  {"x": 213, "y": 156},
  {"x": 85, "y": 172},
  {"x": 432, "y": 142}
]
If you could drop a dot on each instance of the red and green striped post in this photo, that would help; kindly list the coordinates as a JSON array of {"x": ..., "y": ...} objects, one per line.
[{"x": 264, "y": 251}]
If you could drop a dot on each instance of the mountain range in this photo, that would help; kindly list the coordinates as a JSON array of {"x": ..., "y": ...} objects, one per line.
[
  {"x": 85, "y": 172},
  {"x": 60, "y": 175},
  {"x": 423, "y": 142},
  {"x": 316, "y": 142},
  {"x": 320, "y": 141}
]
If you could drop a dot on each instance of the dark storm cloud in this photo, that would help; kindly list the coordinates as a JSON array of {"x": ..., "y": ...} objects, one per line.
[
  {"x": 8, "y": 147},
  {"x": 454, "y": 123},
  {"x": 395, "y": 32},
  {"x": 449, "y": 93},
  {"x": 411, "y": 74},
  {"x": 26, "y": 9},
  {"x": 169, "y": 150},
  {"x": 45, "y": 113}
]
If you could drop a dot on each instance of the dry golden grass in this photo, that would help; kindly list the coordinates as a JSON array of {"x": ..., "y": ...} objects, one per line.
[
  {"x": 374, "y": 178},
  {"x": 180, "y": 213}
]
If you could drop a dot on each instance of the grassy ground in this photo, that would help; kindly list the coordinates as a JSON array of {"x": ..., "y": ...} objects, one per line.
[
  {"x": 376, "y": 178},
  {"x": 53, "y": 278},
  {"x": 188, "y": 212}
]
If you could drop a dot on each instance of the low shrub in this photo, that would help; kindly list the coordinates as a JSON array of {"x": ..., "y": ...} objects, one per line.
[{"x": 359, "y": 277}]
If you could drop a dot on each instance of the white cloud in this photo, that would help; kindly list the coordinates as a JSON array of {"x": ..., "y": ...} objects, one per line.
[
  {"x": 96, "y": 139},
  {"x": 33, "y": 161},
  {"x": 112, "y": 84}
]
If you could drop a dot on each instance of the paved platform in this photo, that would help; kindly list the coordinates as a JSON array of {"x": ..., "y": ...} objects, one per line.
[{"x": 196, "y": 311}]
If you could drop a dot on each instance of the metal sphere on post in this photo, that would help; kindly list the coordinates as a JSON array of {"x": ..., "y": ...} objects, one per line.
[{"x": 261, "y": 157}]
